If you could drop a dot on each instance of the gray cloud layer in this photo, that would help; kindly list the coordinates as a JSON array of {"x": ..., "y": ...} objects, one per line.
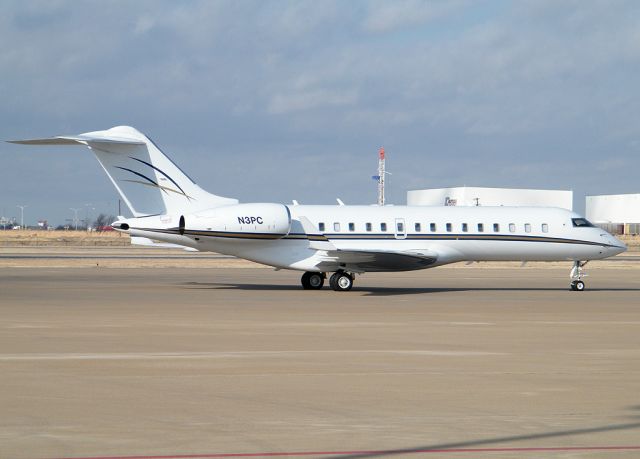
[{"x": 290, "y": 100}]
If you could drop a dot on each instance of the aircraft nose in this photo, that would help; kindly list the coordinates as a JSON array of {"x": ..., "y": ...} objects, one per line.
[{"x": 617, "y": 246}]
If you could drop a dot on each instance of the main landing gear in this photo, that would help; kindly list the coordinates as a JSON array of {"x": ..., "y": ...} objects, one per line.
[
  {"x": 577, "y": 273},
  {"x": 340, "y": 281}
]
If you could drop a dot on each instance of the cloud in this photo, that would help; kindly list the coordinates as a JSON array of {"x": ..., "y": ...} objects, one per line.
[
  {"x": 452, "y": 87},
  {"x": 309, "y": 100},
  {"x": 384, "y": 16}
]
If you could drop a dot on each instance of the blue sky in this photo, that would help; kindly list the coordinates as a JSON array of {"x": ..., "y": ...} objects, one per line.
[{"x": 274, "y": 101}]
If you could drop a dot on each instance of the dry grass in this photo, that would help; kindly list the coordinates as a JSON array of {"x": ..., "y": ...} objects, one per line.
[
  {"x": 31, "y": 238},
  {"x": 633, "y": 242}
]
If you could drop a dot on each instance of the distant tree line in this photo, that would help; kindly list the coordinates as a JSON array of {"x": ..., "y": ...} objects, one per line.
[{"x": 101, "y": 223}]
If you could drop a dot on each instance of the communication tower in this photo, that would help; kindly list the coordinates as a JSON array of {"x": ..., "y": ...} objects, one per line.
[{"x": 380, "y": 177}]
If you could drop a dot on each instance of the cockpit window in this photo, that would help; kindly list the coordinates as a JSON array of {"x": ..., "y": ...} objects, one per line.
[{"x": 581, "y": 222}]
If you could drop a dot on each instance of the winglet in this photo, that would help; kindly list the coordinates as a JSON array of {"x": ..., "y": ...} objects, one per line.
[{"x": 317, "y": 240}]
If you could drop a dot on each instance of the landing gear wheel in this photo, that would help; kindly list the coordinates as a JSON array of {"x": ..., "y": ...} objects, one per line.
[
  {"x": 341, "y": 281},
  {"x": 332, "y": 281},
  {"x": 577, "y": 273},
  {"x": 577, "y": 285},
  {"x": 312, "y": 281}
]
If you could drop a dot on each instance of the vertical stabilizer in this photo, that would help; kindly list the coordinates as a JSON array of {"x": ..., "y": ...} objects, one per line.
[{"x": 148, "y": 181}]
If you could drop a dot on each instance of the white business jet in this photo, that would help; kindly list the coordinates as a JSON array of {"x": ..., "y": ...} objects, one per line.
[{"x": 344, "y": 240}]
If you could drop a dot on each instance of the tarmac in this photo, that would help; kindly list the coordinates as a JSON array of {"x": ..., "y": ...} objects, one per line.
[{"x": 241, "y": 362}]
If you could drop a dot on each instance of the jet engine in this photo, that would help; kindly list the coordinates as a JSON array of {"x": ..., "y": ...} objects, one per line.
[{"x": 268, "y": 221}]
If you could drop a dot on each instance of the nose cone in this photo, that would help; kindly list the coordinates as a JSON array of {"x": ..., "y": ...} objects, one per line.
[
  {"x": 616, "y": 246},
  {"x": 620, "y": 246}
]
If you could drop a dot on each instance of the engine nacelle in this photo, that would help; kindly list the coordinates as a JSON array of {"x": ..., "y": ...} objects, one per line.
[{"x": 264, "y": 221}]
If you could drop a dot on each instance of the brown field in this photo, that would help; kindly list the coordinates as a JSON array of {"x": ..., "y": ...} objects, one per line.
[{"x": 33, "y": 238}]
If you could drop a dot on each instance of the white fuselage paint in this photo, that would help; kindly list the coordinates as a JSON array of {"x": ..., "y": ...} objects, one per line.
[{"x": 522, "y": 234}]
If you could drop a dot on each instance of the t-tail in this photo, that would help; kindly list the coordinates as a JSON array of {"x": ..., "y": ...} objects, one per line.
[{"x": 148, "y": 181}]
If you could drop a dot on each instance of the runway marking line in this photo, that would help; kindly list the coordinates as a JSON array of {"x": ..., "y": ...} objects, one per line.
[
  {"x": 385, "y": 452},
  {"x": 238, "y": 354}
]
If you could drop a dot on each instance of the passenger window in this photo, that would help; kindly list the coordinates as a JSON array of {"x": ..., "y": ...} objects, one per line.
[
  {"x": 512, "y": 227},
  {"x": 383, "y": 227},
  {"x": 432, "y": 227},
  {"x": 527, "y": 227},
  {"x": 336, "y": 227},
  {"x": 465, "y": 228},
  {"x": 321, "y": 226},
  {"x": 418, "y": 228},
  {"x": 545, "y": 228},
  {"x": 496, "y": 227},
  {"x": 480, "y": 228},
  {"x": 448, "y": 227},
  {"x": 368, "y": 226},
  {"x": 352, "y": 227},
  {"x": 400, "y": 227}
]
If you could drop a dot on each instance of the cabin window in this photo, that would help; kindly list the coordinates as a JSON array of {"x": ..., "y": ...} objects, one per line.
[
  {"x": 418, "y": 227},
  {"x": 321, "y": 226},
  {"x": 465, "y": 227},
  {"x": 432, "y": 227},
  {"x": 336, "y": 227},
  {"x": 367, "y": 226},
  {"x": 383, "y": 227},
  {"x": 512, "y": 227},
  {"x": 480, "y": 228},
  {"x": 448, "y": 227},
  {"x": 400, "y": 227},
  {"x": 496, "y": 227},
  {"x": 545, "y": 228},
  {"x": 527, "y": 227},
  {"x": 352, "y": 227}
]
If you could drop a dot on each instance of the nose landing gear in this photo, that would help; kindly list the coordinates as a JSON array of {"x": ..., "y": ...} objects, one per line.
[{"x": 577, "y": 273}]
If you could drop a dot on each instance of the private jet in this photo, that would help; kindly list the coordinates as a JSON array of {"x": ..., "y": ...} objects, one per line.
[{"x": 338, "y": 241}]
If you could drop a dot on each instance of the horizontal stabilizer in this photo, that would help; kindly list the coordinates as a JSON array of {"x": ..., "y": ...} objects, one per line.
[{"x": 83, "y": 139}]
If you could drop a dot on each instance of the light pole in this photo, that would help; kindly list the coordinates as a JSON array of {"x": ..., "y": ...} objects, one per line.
[
  {"x": 87, "y": 212},
  {"x": 75, "y": 218},
  {"x": 22, "y": 216}
]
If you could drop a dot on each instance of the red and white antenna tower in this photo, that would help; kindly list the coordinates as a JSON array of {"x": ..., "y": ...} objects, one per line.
[{"x": 381, "y": 174}]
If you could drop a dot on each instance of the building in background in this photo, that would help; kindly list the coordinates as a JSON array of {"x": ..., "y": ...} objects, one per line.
[
  {"x": 480, "y": 196},
  {"x": 616, "y": 213}
]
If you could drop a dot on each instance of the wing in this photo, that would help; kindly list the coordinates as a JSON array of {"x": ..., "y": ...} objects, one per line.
[
  {"x": 372, "y": 261},
  {"x": 333, "y": 258}
]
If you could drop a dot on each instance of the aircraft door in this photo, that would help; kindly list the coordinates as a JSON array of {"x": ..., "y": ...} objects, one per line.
[{"x": 400, "y": 229}]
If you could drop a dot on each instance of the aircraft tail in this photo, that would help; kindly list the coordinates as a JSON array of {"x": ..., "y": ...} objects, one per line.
[{"x": 148, "y": 181}]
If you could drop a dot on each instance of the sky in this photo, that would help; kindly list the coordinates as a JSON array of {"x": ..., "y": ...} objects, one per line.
[{"x": 269, "y": 101}]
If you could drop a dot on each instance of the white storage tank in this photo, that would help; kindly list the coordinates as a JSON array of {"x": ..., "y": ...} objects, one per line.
[
  {"x": 617, "y": 213},
  {"x": 481, "y": 196}
]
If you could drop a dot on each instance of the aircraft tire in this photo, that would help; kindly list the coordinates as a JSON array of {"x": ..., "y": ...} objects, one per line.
[
  {"x": 312, "y": 280},
  {"x": 343, "y": 282},
  {"x": 577, "y": 286},
  {"x": 332, "y": 280}
]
